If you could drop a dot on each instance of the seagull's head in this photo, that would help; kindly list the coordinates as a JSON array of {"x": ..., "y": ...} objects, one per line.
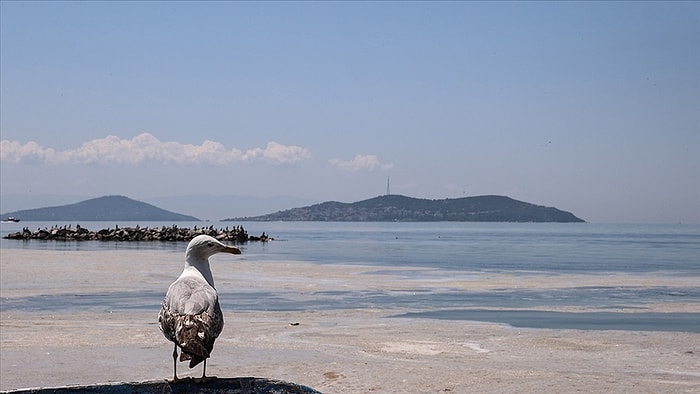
[{"x": 204, "y": 246}]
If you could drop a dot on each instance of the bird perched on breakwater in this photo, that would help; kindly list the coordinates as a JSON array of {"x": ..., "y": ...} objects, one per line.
[{"x": 190, "y": 316}]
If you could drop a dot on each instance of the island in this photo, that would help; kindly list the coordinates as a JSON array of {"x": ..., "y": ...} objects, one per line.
[
  {"x": 106, "y": 208},
  {"x": 399, "y": 208}
]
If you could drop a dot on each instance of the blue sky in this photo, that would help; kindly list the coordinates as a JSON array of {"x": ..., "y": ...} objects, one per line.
[{"x": 592, "y": 107}]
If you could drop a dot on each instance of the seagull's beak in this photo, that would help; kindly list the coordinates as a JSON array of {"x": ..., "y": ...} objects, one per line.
[{"x": 231, "y": 249}]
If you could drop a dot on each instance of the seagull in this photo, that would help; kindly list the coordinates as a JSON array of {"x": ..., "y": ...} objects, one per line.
[{"x": 190, "y": 315}]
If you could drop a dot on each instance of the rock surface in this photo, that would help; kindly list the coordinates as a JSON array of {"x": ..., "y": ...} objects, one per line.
[
  {"x": 246, "y": 385},
  {"x": 173, "y": 234}
]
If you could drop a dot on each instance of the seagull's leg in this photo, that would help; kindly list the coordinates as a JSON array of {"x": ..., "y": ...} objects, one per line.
[
  {"x": 175, "y": 364},
  {"x": 204, "y": 370}
]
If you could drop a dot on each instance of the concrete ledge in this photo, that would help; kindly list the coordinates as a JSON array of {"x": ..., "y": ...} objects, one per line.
[{"x": 243, "y": 385}]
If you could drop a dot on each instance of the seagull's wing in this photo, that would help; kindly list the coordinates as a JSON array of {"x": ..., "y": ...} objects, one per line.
[{"x": 192, "y": 318}]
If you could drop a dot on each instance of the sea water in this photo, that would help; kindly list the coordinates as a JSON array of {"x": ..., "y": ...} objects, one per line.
[{"x": 445, "y": 250}]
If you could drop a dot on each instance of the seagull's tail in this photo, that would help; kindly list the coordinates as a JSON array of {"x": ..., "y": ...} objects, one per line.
[
  {"x": 192, "y": 340},
  {"x": 194, "y": 359}
]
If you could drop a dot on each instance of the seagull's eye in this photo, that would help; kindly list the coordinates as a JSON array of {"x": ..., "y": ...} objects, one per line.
[{"x": 209, "y": 244}]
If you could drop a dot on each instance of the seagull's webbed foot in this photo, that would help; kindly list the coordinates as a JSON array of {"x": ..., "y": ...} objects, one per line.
[{"x": 204, "y": 377}]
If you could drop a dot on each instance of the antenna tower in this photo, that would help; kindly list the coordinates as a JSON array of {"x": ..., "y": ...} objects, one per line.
[{"x": 388, "y": 192}]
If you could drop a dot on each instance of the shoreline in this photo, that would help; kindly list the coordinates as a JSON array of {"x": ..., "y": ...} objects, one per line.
[
  {"x": 357, "y": 351},
  {"x": 335, "y": 348}
]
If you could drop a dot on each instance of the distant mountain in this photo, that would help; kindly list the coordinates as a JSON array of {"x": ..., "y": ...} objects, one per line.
[
  {"x": 16, "y": 202},
  {"x": 397, "y": 208},
  {"x": 203, "y": 206},
  {"x": 107, "y": 208}
]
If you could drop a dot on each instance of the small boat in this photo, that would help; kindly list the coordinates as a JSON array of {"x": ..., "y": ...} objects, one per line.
[{"x": 12, "y": 219}]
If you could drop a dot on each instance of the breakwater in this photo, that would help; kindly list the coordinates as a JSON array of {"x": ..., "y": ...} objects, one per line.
[{"x": 172, "y": 233}]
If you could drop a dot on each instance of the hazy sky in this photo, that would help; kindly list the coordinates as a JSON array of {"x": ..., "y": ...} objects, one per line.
[{"x": 592, "y": 107}]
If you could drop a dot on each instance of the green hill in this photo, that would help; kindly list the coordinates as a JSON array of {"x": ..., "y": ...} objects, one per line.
[
  {"x": 107, "y": 208},
  {"x": 397, "y": 208}
]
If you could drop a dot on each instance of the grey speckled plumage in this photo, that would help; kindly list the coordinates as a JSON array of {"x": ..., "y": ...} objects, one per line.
[{"x": 190, "y": 315}]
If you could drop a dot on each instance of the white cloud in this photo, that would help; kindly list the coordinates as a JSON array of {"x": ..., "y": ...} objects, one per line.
[
  {"x": 361, "y": 162},
  {"x": 147, "y": 148},
  {"x": 278, "y": 153},
  {"x": 15, "y": 152}
]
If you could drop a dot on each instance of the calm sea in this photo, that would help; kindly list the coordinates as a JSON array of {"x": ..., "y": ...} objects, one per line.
[
  {"x": 451, "y": 248},
  {"x": 581, "y": 247}
]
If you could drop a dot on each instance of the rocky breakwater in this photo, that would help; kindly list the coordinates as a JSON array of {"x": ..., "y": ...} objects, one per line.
[{"x": 138, "y": 233}]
